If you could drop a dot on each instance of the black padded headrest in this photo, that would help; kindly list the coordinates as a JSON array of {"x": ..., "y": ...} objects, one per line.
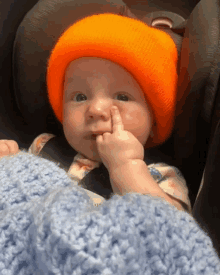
[
  {"x": 198, "y": 80},
  {"x": 36, "y": 36}
]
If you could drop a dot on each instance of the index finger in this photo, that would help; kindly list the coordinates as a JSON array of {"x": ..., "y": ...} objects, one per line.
[{"x": 117, "y": 124}]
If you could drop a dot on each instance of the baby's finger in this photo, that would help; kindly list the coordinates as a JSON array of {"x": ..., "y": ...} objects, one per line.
[{"x": 117, "y": 124}]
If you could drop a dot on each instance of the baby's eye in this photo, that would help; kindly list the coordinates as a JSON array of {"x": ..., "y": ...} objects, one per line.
[
  {"x": 77, "y": 95},
  {"x": 123, "y": 95}
]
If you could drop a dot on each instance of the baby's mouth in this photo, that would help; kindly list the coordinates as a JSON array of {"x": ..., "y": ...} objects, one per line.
[{"x": 91, "y": 137}]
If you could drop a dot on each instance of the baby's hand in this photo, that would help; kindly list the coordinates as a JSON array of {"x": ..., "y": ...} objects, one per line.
[
  {"x": 8, "y": 147},
  {"x": 119, "y": 147}
]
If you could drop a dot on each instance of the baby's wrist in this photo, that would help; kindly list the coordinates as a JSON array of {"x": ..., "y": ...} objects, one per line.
[
  {"x": 123, "y": 165},
  {"x": 132, "y": 176}
]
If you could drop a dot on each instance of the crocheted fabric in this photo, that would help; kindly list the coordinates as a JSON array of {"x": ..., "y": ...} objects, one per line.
[{"x": 49, "y": 226}]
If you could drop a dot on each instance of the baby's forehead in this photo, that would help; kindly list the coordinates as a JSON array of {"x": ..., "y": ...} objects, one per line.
[
  {"x": 86, "y": 78},
  {"x": 83, "y": 68},
  {"x": 96, "y": 78}
]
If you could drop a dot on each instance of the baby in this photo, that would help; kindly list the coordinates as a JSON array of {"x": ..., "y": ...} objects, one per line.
[
  {"x": 92, "y": 126},
  {"x": 114, "y": 93}
]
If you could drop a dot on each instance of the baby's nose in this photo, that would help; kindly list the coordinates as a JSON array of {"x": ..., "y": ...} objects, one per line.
[{"x": 103, "y": 112}]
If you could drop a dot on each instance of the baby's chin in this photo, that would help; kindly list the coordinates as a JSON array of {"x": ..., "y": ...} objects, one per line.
[
  {"x": 96, "y": 158},
  {"x": 90, "y": 151},
  {"x": 92, "y": 155}
]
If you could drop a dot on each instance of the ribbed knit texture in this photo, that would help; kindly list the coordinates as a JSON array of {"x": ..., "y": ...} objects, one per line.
[{"x": 50, "y": 226}]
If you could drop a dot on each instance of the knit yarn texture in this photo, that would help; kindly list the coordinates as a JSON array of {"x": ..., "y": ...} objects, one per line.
[{"x": 49, "y": 226}]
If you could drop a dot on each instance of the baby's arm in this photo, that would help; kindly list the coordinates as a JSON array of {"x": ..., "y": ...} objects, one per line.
[{"x": 134, "y": 176}]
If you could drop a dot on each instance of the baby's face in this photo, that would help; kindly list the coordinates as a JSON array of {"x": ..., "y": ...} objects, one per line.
[{"x": 91, "y": 87}]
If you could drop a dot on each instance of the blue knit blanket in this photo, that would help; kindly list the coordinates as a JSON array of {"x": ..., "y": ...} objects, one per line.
[{"x": 50, "y": 226}]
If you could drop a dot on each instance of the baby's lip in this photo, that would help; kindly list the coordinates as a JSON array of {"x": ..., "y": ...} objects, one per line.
[
  {"x": 98, "y": 133},
  {"x": 92, "y": 135}
]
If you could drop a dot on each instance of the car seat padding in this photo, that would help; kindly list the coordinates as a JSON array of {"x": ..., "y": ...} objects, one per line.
[
  {"x": 51, "y": 151},
  {"x": 197, "y": 90},
  {"x": 198, "y": 78},
  {"x": 206, "y": 209}
]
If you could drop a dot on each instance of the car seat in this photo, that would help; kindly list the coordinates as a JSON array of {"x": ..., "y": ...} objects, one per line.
[{"x": 25, "y": 111}]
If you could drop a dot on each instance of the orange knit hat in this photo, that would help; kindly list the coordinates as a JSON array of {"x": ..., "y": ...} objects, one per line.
[{"x": 149, "y": 54}]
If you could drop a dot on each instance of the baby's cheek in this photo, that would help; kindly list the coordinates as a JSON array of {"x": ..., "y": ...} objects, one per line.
[
  {"x": 78, "y": 117},
  {"x": 128, "y": 117},
  {"x": 132, "y": 120},
  {"x": 130, "y": 123},
  {"x": 137, "y": 124}
]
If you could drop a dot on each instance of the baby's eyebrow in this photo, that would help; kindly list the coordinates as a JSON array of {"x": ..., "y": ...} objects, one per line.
[
  {"x": 74, "y": 79},
  {"x": 75, "y": 83}
]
